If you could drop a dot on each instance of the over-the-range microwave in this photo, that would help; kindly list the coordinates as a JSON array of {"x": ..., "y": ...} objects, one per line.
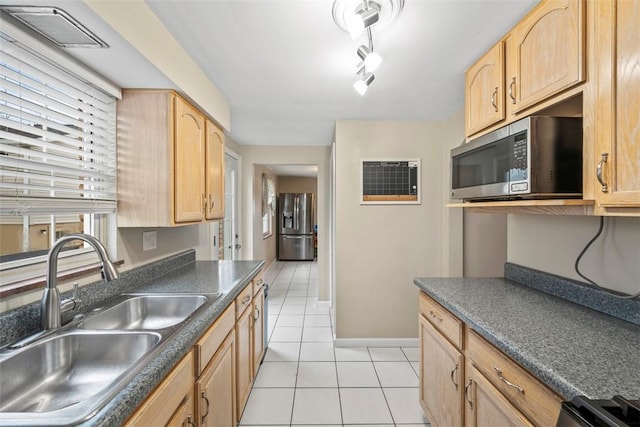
[{"x": 536, "y": 157}]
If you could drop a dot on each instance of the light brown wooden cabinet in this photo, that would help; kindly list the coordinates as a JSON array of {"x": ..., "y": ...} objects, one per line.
[
  {"x": 617, "y": 105},
  {"x": 257, "y": 325},
  {"x": 170, "y": 161},
  {"x": 215, "y": 388},
  {"x": 244, "y": 356},
  {"x": 171, "y": 403},
  {"x": 441, "y": 376},
  {"x": 464, "y": 380},
  {"x": 534, "y": 65},
  {"x": 485, "y": 406},
  {"x": 545, "y": 53},
  {"x": 484, "y": 94},
  {"x": 214, "y": 171}
]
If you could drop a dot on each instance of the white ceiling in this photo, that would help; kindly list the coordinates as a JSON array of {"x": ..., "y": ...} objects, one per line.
[{"x": 287, "y": 70}]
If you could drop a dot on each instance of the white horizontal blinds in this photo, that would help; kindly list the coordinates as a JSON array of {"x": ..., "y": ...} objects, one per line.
[{"x": 57, "y": 139}]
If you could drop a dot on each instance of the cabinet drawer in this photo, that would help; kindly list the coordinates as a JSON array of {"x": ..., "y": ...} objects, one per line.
[
  {"x": 244, "y": 299},
  {"x": 160, "y": 407},
  {"x": 207, "y": 345},
  {"x": 448, "y": 324},
  {"x": 534, "y": 399},
  {"x": 258, "y": 281}
]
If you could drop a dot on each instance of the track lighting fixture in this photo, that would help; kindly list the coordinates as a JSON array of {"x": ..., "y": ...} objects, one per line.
[
  {"x": 356, "y": 16},
  {"x": 371, "y": 60},
  {"x": 361, "y": 85}
]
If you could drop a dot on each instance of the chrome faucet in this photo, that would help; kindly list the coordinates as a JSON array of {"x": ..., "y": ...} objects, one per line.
[{"x": 51, "y": 306}]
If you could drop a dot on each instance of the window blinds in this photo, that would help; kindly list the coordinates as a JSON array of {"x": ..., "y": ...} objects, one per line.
[{"x": 57, "y": 139}]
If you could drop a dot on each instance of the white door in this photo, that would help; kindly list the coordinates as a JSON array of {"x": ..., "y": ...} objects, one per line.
[{"x": 230, "y": 234}]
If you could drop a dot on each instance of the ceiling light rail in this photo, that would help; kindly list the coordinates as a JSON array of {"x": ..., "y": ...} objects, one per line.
[{"x": 356, "y": 16}]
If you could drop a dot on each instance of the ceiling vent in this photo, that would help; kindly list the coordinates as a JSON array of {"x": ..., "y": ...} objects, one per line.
[{"x": 56, "y": 25}]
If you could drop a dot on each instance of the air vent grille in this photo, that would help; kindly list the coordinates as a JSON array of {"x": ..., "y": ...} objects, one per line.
[{"x": 56, "y": 25}]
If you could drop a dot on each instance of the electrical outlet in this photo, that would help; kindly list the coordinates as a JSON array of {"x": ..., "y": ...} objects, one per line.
[{"x": 149, "y": 240}]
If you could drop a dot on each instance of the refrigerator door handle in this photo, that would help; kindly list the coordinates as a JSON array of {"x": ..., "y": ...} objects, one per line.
[
  {"x": 295, "y": 237},
  {"x": 296, "y": 212}
]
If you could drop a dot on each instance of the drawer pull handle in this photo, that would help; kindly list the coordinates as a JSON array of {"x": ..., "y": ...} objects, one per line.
[
  {"x": 435, "y": 316},
  {"x": 604, "y": 187},
  {"x": 204, "y": 396},
  {"x": 190, "y": 421},
  {"x": 246, "y": 299},
  {"x": 453, "y": 371},
  {"x": 256, "y": 314},
  {"x": 466, "y": 393},
  {"x": 506, "y": 381}
]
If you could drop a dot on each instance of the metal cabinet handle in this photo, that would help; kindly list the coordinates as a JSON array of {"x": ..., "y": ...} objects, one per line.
[
  {"x": 190, "y": 421},
  {"x": 435, "y": 316},
  {"x": 604, "y": 187},
  {"x": 246, "y": 299},
  {"x": 256, "y": 316},
  {"x": 204, "y": 396},
  {"x": 211, "y": 202},
  {"x": 466, "y": 393},
  {"x": 204, "y": 202},
  {"x": 506, "y": 381},
  {"x": 493, "y": 99},
  {"x": 512, "y": 92},
  {"x": 453, "y": 371}
]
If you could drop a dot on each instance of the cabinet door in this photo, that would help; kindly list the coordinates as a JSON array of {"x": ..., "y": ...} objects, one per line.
[
  {"x": 188, "y": 163},
  {"x": 168, "y": 398},
  {"x": 216, "y": 389},
  {"x": 184, "y": 415},
  {"x": 441, "y": 376},
  {"x": 546, "y": 53},
  {"x": 485, "y": 406},
  {"x": 617, "y": 102},
  {"x": 484, "y": 91},
  {"x": 258, "y": 329},
  {"x": 214, "y": 172},
  {"x": 244, "y": 359}
]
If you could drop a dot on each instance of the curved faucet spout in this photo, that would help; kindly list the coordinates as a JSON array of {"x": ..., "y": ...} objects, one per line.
[{"x": 51, "y": 303}]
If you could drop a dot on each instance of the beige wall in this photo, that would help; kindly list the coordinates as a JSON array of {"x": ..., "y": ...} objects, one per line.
[
  {"x": 485, "y": 244},
  {"x": 552, "y": 243},
  {"x": 294, "y": 155},
  {"x": 379, "y": 249},
  {"x": 263, "y": 247}
]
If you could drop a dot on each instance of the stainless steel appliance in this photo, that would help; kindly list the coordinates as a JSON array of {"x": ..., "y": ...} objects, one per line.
[
  {"x": 536, "y": 157},
  {"x": 615, "y": 412},
  {"x": 295, "y": 226}
]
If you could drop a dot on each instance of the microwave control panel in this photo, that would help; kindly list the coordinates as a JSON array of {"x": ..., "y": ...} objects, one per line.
[{"x": 518, "y": 176}]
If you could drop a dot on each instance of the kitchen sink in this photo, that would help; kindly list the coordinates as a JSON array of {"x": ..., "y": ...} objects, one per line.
[
  {"x": 152, "y": 312},
  {"x": 65, "y": 376}
]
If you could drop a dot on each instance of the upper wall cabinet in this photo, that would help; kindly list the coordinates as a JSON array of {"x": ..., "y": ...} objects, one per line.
[
  {"x": 617, "y": 128},
  {"x": 214, "y": 172},
  {"x": 484, "y": 94},
  {"x": 533, "y": 66},
  {"x": 170, "y": 165},
  {"x": 545, "y": 53}
]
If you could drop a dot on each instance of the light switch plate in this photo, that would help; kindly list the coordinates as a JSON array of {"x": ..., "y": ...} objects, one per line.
[{"x": 149, "y": 240}]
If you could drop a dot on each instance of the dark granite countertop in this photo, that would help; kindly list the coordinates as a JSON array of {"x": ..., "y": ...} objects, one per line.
[
  {"x": 573, "y": 349},
  {"x": 225, "y": 277}
]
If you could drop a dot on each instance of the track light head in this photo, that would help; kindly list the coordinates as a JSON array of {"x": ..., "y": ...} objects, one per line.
[
  {"x": 362, "y": 19},
  {"x": 370, "y": 59},
  {"x": 363, "y": 83}
]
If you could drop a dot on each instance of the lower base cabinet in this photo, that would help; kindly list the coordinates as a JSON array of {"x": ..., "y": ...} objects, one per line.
[
  {"x": 215, "y": 390},
  {"x": 466, "y": 381},
  {"x": 441, "y": 371},
  {"x": 171, "y": 403},
  {"x": 485, "y": 405}
]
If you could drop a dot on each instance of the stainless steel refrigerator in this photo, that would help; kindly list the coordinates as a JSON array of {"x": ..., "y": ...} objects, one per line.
[{"x": 295, "y": 227}]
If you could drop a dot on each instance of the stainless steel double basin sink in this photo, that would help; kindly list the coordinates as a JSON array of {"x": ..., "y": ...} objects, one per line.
[{"x": 67, "y": 376}]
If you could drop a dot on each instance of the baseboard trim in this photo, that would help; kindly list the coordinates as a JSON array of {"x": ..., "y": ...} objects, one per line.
[
  {"x": 375, "y": 342},
  {"x": 326, "y": 304}
]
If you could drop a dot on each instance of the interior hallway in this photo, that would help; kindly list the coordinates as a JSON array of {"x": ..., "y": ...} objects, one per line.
[{"x": 304, "y": 380}]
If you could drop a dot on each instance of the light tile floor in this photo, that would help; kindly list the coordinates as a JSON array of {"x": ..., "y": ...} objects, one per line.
[{"x": 305, "y": 381}]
